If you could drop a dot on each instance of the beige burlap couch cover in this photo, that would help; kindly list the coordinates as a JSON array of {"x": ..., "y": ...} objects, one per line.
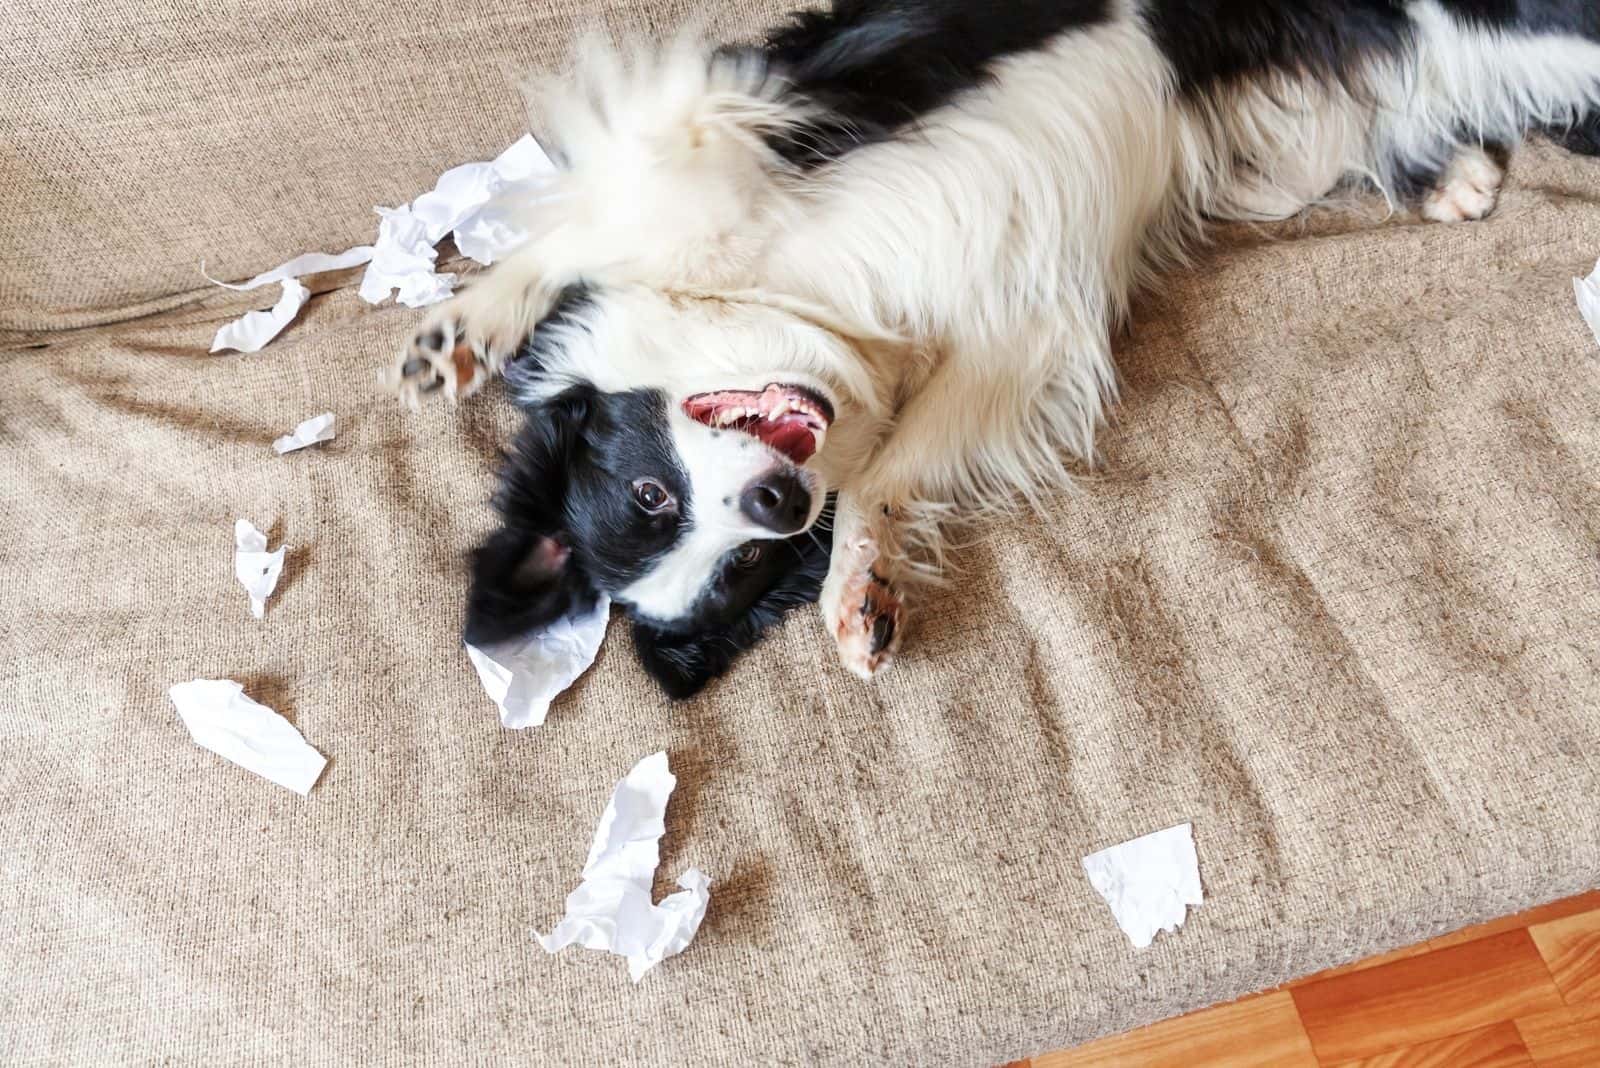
[{"x": 1333, "y": 599}]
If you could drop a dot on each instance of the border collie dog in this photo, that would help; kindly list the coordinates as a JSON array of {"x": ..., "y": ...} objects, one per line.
[{"x": 878, "y": 261}]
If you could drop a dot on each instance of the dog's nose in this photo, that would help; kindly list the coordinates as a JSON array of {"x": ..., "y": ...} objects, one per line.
[{"x": 779, "y": 501}]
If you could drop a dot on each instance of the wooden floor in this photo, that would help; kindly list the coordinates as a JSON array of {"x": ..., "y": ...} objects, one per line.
[{"x": 1522, "y": 992}]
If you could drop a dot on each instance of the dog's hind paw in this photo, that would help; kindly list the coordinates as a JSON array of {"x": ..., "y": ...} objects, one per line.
[
  {"x": 867, "y": 617},
  {"x": 1467, "y": 190}
]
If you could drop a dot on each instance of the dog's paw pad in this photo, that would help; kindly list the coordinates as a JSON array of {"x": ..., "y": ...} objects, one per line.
[
  {"x": 438, "y": 357},
  {"x": 1467, "y": 190},
  {"x": 867, "y": 624}
]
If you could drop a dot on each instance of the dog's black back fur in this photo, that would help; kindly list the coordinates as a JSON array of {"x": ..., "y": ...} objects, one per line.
[
  {"x": 877, "y": 66},
  {"x": 1210, "y": 41}
]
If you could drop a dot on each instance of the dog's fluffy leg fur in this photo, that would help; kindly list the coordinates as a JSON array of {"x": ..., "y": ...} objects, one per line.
[
  {"x": 1268, "y": 147},
  {"x": 862, "y": 604}
]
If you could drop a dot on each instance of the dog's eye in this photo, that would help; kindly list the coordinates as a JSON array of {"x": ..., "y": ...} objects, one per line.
[
  {"x": 650, "y": 495},
  {"x": 748, "y": 555}
]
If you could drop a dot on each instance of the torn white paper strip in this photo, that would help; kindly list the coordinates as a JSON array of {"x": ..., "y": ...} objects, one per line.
[
  {"x": 523, "y": 676},
  {"x": 1587, "y": 291},
  {"x": 255, "y": 568},
  {"x": 222, "y": 719},
  {"x": 611, "y": 909},
  {"x": 254, "y": 329},
  {"x": 1149, "y": 882},
  {"x": 318, "y": 428},
  {"x": 309, "y": 263}
]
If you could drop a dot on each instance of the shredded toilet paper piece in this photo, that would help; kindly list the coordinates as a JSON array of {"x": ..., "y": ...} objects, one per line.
[
  {"x": 318, "y": 428},
  {"x": 463, "y": 196},
  {"x": 523, "y": 676},
  {"x": 403, "y": 261},
  {"x": 491, "y": 229},
  {"x": 1587, "y": 291},
  {"x": 470, "y": 200},
  {"x": 611, "y": 910},
  {"x": 1148, "y": 882},
  {"x": 251, "y": 331},
  {"x": 253, "y": 566},
  {"x": 222, "y": 719},
  {"x": 466, "y": 201}
]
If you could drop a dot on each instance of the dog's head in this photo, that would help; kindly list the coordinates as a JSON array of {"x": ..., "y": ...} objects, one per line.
[
  {"x": 695, "y": 509},
  {"x": 688, "y": 412}
]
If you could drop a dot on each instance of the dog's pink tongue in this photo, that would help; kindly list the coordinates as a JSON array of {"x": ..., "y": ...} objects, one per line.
[{"x": 790, "y": 436}]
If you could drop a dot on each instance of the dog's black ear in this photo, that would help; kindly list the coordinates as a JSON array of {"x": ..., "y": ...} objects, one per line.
[
  {"x": 524, "y": 577},
  {"x": 684, "y": 663},
  {"x": 522, "y": 582},
  {"x": 538, "y": 467}
]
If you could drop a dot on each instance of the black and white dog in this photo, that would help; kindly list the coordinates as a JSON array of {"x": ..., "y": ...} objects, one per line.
[{"x": 881, "y": 257}]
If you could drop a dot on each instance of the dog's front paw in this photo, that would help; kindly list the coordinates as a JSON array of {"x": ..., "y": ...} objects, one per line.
[
  {"x": 865, "y": 612},
  {"x": 432, "y": 360},
  {"x": 454, "y": 353}
]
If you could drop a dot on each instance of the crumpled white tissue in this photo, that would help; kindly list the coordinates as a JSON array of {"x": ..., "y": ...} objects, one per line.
[
  {"x": 1149, "y": 882},
  {"x": 317, "y": 429},
  {"x": 524, "y": 675},
  {"x": 466, "y": 200},
  {"x": 222, "y": 719},
  {"x": 254, "y": 329},
  {"x": 1587, "y": 290},
  {"x": 253, "y": 566},
  {"x": 463, "y": 201},
  {"x": 611, "y": 909},
  {"x": 403, "y": 261}
]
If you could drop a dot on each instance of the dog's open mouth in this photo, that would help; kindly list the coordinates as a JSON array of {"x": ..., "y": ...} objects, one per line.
[{"x": 790, "y": 419}]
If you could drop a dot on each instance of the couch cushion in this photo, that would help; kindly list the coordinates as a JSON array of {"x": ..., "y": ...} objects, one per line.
[{"x": 1332, "y": 600}]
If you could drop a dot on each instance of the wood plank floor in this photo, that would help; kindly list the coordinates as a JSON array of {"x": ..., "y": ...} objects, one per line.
[{"x": 1521, "y": 992}]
